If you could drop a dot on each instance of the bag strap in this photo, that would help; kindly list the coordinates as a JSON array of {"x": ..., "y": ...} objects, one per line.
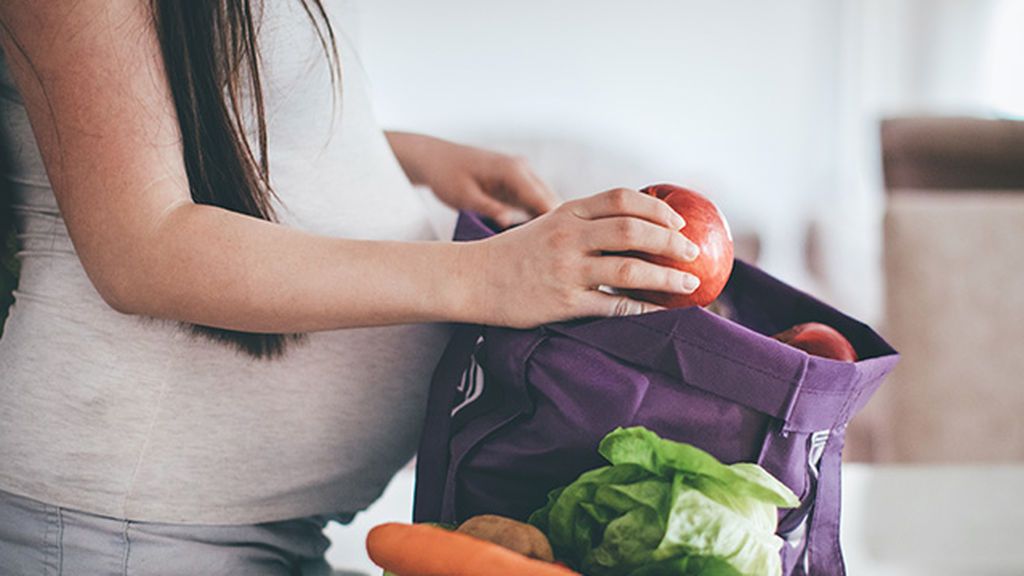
[
  {"x": 821, "y": 554},
  {"x": 433, "y": 455},
  {"x": 824, "y": 555}
]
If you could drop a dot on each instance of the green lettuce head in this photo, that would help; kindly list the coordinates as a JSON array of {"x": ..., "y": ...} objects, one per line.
[{"x": 665, "y": 508}]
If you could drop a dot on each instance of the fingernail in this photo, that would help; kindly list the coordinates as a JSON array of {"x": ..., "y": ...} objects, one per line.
[
  {"x": 690, "y": 283},
  {"x": 692, "y": 251},
  {"x": 516, "y": 216},
  {"x": 647, "y": 308},
  {"x": 677, "y": 222}
]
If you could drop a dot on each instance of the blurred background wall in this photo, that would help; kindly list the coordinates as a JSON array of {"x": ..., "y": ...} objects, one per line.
[
  {"x": 772, "y": 108},
  {"x": 738, "y": 99}
]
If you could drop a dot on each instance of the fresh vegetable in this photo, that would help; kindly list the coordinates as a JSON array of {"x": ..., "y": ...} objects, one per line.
[
  {"x": 818, "y": 339},
  {"x": 707, "y": 227},
  {"x": 666, "y": 508},
  {"x": 425, "y": 550},
  {"x": 508, "y": 533}
]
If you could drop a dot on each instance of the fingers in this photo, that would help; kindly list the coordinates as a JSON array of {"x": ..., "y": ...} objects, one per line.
[
  {"x": 526, "y": 189},
  {"x": 626, "y": 202},
  {"x": 606, "y": 305},
  {"x": 504, "y": 215},
  {"x": 511, "y": 217},
  {"x": 636, "y": 274},
  {"x": 515, "y": 197},
  {"x": 546, "y": 199},
  {"x": 620, "y": 234}
]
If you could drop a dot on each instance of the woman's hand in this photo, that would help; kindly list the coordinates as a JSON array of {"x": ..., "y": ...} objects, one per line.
[
  {"x": 550, "y": 269},
  {"x": 501, "y": 187}
]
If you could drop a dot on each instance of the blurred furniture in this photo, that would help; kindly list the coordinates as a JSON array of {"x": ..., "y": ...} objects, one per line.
[
  {"x": 954, "y": 264},
  {"x": 953, "y": 154}
]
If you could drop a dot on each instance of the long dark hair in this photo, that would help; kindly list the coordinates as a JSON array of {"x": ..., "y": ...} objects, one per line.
[{"x": 211, "y": 52}]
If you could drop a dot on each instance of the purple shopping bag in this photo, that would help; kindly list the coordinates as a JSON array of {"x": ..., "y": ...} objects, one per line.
[{"x": 513, "y": 414}]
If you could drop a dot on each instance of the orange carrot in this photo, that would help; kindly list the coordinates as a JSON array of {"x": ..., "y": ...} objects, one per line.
[{"x": 425, "y": 550}]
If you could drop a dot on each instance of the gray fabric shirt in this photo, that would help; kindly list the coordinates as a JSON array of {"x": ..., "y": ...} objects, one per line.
[{"x": 135, "y": 418}]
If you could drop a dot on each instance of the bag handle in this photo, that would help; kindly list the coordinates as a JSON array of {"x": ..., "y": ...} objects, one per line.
[
  {"x": 433, "y": 454},
  {"x": 823, "y": 556}
]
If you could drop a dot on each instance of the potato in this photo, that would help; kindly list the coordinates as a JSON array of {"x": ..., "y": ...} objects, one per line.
[{"x": 508, "y": 533}]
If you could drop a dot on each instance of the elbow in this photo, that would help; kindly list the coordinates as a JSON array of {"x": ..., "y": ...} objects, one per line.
[
  {"x": 120, "y": 303},
  {"x": 127, "y": 264},
  {"x": 120, "y": 292}
]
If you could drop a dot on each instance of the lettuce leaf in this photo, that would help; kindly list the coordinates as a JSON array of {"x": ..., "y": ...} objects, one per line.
[
  {"x": 646, "y": 449},
  {"x": 666, "y": 508},
  {"x": 701, "y": 526}
]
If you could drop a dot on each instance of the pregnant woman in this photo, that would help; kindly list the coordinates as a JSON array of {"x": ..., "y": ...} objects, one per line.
[{"x": 230, "y": 299}]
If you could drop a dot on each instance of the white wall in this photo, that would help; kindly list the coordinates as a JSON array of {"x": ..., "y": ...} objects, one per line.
[
  {"x": 771, "y": 107},
  {"x": 737, "y": 98}
]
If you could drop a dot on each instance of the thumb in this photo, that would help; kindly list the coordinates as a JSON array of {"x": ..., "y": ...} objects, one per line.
[{"x": 611, "y": 305}]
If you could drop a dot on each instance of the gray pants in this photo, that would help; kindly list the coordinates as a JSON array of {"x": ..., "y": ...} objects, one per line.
[{"x": 39, "y": 539}]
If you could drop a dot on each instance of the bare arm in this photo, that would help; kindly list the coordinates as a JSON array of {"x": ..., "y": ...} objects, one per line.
[
  {"x": 93, "y": 81},
  {"x": 104, "y": 118},
  {"x": 501, "y": 187}
]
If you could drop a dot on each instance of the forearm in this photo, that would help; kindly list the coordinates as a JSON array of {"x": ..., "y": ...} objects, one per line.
[
  {"x": 213, "y": 267},
  {"x": 412, "y": 150}
]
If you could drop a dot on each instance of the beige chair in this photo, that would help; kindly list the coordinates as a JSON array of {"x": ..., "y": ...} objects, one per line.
[{"x": 954, "y": 264}]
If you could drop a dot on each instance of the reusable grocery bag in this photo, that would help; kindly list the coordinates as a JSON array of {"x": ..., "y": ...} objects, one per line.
[{"x": 513, "y": 414}]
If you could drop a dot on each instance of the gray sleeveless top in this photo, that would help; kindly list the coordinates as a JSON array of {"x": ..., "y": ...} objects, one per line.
[{"x": 135, "y": 418}]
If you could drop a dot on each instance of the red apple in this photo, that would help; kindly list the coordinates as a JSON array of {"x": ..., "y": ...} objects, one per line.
[
  {"x": 820, "y": 340},
  {"x": 707, "y": 228}
]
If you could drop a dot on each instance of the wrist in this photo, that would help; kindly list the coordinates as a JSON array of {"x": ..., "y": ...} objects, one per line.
[{"x": 469, "y": 280}]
